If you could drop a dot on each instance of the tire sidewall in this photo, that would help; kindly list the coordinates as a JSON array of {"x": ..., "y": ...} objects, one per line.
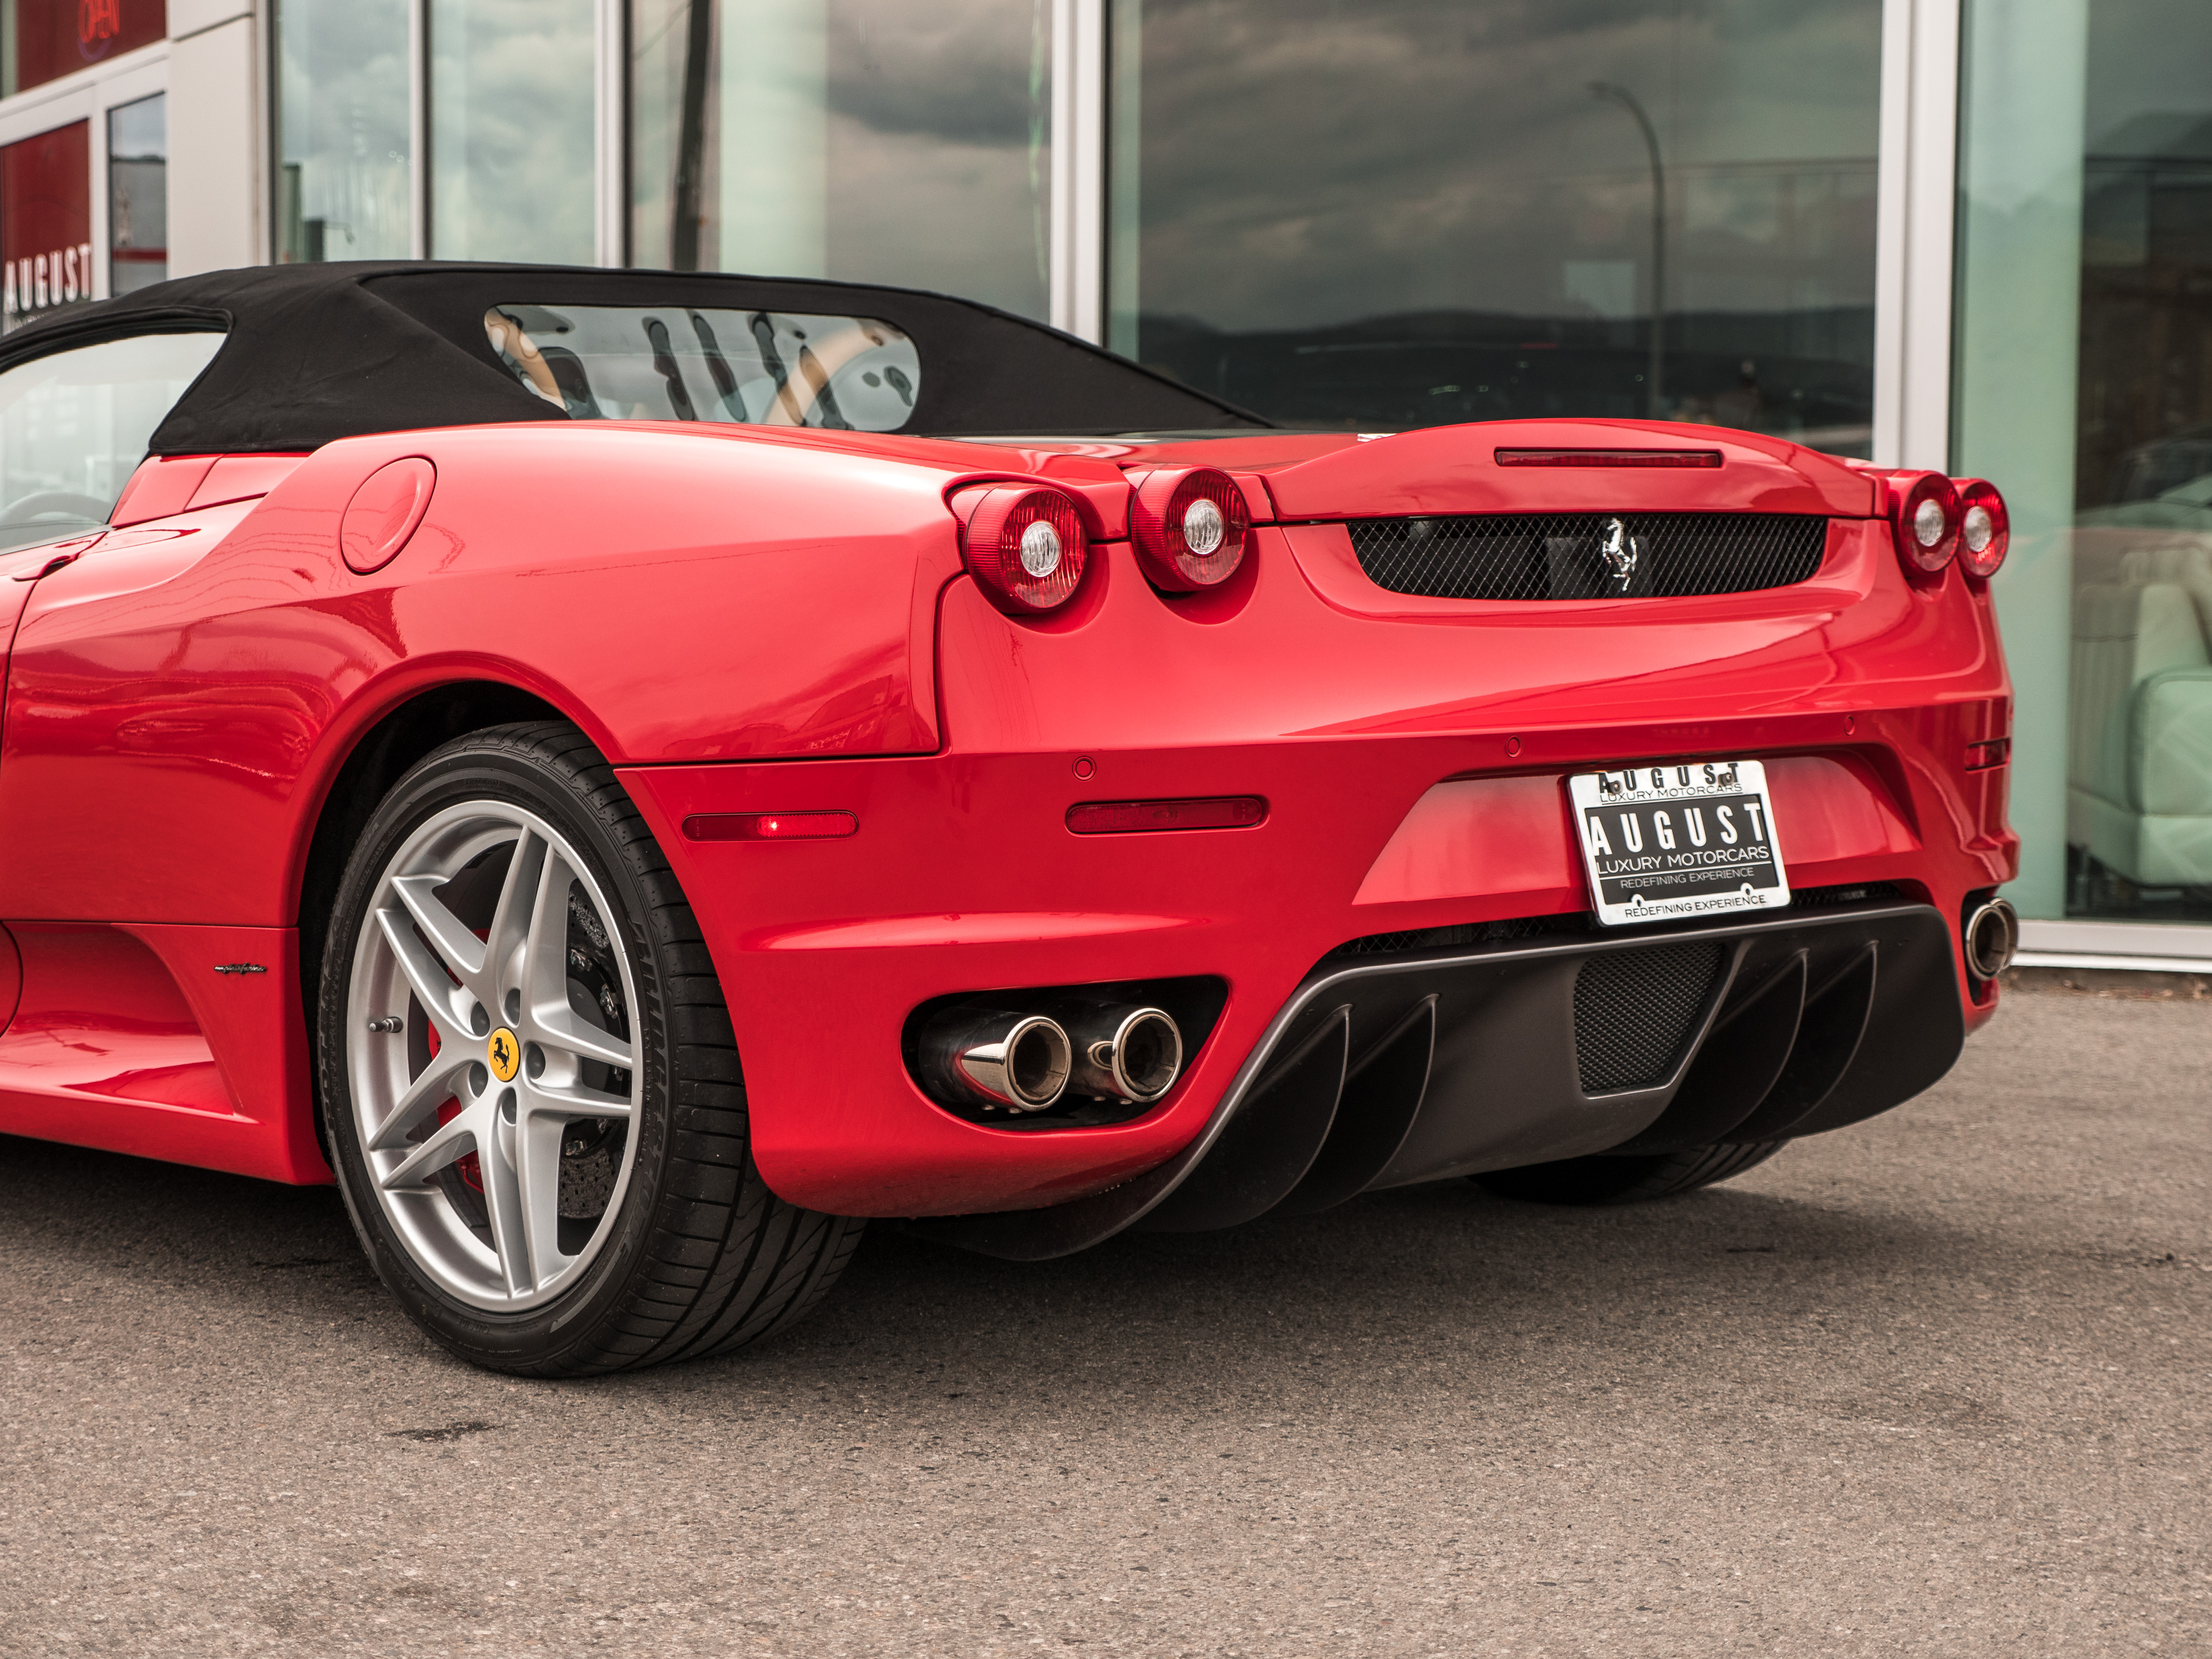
[{"x": 512, "y": 771}]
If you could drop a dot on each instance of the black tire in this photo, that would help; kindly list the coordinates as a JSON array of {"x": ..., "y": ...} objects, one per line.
[
  {"x": 1636, "y": 1178},
  {"x": 698, "y": 1256}
]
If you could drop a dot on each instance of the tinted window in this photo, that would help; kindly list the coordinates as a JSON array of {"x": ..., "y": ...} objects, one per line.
[
  {"x": 1399, "y": 213},
  {"x": 74, "y": 425},
  {"x": 866, "y": 140},
  {"x": 513, "y": 107},
  {"x": 686, "y": 363},
  {"x": 345, "y": 146}
]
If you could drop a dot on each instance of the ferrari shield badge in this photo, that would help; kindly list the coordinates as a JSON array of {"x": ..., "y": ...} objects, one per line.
[{"x": 503, "y": 1055}]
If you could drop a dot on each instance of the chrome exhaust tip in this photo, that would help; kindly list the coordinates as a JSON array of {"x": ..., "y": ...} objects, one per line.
[
  {"x": 1019, "y": 1061},
  {"x": 1991, "y": 938},
  {"x": 1123, "y": 1053}
]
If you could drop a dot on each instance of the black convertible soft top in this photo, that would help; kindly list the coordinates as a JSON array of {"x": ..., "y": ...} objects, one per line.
[{"x": 316, "y": 352}]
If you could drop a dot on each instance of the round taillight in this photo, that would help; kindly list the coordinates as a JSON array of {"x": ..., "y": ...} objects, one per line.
[
  {"x": 1190, "y": 526},
  {"x": 1026, "y": 545},
  {"x": 1984, "y": 528},
  {"x": 1928, "y": 522}
]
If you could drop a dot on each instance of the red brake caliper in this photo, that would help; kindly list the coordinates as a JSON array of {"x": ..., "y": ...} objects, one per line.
[{"x": 471, "y": 1171}]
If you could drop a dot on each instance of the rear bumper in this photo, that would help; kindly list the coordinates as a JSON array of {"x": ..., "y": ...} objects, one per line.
[
  {"x": 964, "y": 878},
  {"x": 1412, "y": 768},
  {"x": 1424, "y": 1065}
]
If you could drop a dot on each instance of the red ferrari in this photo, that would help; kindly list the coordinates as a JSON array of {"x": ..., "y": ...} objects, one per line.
[{"x": 631, "y": 775}]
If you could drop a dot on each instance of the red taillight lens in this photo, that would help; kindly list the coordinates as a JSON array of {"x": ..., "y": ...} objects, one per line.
[
  {"x": 1928, "y": 522},
  {"x": 1136, "y": 818},
  {"x": 1984, "y": 528},
  {"x": 770, "y": 826},
  {"x": 1026, "y": 545},
  {"x": 1190, "y": 525}
]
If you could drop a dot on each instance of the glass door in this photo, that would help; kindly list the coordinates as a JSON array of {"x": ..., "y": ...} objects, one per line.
[{"x": 2084, "y": 390}]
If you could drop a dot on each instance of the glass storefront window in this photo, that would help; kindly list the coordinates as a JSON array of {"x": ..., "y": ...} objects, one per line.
[
  {"x": 868, "y": 140},
  {"x": 45, "y": 223},
  {"x": 137, "y": 194},
  {"x": 344, "y": 155},
  {"x": 512, "y": 126},
  {"x": 2084, "y": 389},
  {"x": 42, "y": 41},
  {"x": 1398, "y": 213}
]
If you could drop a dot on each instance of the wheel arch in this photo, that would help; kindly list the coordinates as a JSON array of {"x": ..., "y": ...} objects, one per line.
[{"x": 379, "y": 756}]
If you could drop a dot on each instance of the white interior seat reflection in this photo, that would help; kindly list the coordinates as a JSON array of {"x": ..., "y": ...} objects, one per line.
[{"x": 688, "y": 363}]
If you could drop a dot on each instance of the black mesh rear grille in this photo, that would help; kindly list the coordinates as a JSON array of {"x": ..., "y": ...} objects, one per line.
[
  {"x": 1635, "y": 1009},
  {"x": 1581, "y": 555},
  {"x": 1826, "y": 898},
  {"x": 1477, "y": 932}
]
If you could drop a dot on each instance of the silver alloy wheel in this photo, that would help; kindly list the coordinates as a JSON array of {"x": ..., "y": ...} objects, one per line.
[{"x": 497, "y": 1024}]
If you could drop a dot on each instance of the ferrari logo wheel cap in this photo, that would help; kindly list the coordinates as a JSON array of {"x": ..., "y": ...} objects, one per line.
[{"x": 503, "y": 1053}]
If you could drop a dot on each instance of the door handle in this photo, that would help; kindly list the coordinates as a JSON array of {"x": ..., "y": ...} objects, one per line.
[{"x": 50, "y": 566}]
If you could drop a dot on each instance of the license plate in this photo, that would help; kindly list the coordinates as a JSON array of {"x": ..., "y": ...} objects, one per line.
[{"x": 1663, "y": 842}]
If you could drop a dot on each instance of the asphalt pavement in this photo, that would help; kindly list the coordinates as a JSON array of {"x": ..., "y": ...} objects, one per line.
[{"x": 1934, "y": 1385}]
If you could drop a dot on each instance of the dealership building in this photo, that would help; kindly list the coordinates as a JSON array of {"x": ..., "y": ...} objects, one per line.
[{"x": 1973, "y": 235}]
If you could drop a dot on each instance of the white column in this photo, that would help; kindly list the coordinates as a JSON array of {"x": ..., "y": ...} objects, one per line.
[
  {"x": 612, "y": 109},
  {"x": 1916, "y": 193},
  {"x": 218, "y": 193},
  {"x": 1078, "y": 169}
]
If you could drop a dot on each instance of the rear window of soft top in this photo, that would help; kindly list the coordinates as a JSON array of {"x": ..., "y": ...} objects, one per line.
[{"x": 693, "y": 363}]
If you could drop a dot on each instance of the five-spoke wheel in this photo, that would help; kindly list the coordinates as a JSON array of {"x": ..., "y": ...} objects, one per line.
[
  {"x": 530, "y": 1079},
  {"x": 494, "y": 1076}
]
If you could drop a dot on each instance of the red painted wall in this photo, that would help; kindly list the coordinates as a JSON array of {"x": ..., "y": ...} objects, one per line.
[
  {"x": 54, "y": 38},
  {"x": 46, "y": 221}
]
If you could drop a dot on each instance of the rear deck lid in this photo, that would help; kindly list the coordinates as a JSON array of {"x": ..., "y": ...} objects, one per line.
[{"x": 1567, "y": 466}]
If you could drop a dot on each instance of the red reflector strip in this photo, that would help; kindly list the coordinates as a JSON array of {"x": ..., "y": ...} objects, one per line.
[
  {"x": 1129, "y": 818},
  {"x": 1700, "y": 457},
  {"x": 770, "y": 826},
  {"x": 1980, "y": 756}
]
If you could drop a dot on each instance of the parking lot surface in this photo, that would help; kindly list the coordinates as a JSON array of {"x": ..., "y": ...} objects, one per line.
[{"x": 1937, "y": 1384}]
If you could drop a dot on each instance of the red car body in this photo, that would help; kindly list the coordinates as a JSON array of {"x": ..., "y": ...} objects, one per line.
[{"x": 749, "y": 620}]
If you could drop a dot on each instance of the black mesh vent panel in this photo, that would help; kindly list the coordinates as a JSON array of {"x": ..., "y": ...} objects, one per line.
[
  {"x": 1477, "y": 932},
  {"x": 1590, "y": 556},
  {"x": 1826, "y": 898},
  {"x": 1635, "y": 1009}
]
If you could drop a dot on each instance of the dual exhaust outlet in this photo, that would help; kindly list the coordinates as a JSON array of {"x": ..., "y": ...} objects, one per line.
[{"x": 1025, "y": 1062}]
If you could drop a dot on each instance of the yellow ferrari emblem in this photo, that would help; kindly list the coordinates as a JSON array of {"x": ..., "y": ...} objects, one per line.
[{"x": 505, "y": 1055}]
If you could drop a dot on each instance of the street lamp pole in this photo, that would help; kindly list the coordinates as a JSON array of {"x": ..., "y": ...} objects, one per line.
[{"x": 1627, "y": 101}]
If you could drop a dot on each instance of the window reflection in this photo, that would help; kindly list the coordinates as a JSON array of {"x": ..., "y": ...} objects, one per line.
[
  {"x": 868, "y": 140},
  {"x": 2139, "y": 826},
  {"x": 512, "y": 102},
  {"x": 343, "y": 151},
  {"x": 137, "y": 194},
  {"x": 2084, "y": 388},
  {"x": 1402, "y": 213}
]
